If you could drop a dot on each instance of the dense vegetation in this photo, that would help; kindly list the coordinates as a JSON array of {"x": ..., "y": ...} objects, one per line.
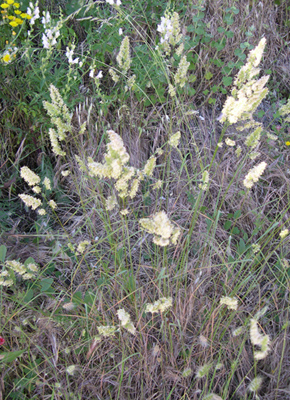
[{"x": 144, "y": 199}]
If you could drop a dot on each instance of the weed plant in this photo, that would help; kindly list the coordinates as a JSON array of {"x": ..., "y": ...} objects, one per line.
[{"x": 144, "y": 200}]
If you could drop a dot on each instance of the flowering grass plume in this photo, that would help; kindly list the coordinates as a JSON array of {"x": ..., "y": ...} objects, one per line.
[
  {"x": 125, "y": 320},
  {"x": 254, "y": 175},
  {"x": 160, "y": 226},
  {"x": 255, "y": 384},
  {"x": 29, "y": 176},
  {"x": 114, "y": 166},
  {"x": 60, "y": 117},
  {"x": 257, "y": 339},
  {"x": 230, "y": 302},
  {"x": 106, "y": 331},
  {"x": 162, "y": 305},
  {"x": 247, "y": 92}
]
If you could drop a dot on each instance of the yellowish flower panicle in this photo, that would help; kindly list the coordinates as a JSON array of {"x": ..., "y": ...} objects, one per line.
[
  {"x": 52, "y": 204},
  {"x": 30, "y": 201},
  {"x": 255, "y": 384},
  {"x": 36, "y": 189},
  {"x": 123, "y": 58},
  {"x": 203, "y": 370},
  {"x": 174, "y": 139},
  {"x": 106, "y": 331},
  {"x": 29, "y": 176},
  {"x": 257, "y": 339},
  {"x": 162, "y": 305},
  {"x": 229, "y": 142},
  {"x": 247, "y": 93},
  {"x": 134, "y": 188},
  {"x": 82, "y": 246},
  {"x": 125, "y": 320},
  {"x": 60, "y": 117},
  {"x": 114, "y": 75},
  {"x": 180, "y": 75},
  {"x": 284, "y": 233},
  {"x": 111, "y": 203},
  {"x": 284, "y": 110},
  {"x": 41, "y": 211},
  {"x": 205, "y": 181},
  {"x": 150, "y": 166},
  {"x": 81, "y": 164},
  {"x": 230, "y": 302},
  {"x": 254, "y": 174},
  {"x": 160, "y": 226}
]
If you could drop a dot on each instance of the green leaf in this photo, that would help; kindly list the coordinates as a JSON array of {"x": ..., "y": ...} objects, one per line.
[
  {"x": 211, "y": 101},
  {"x": 229, "y": 34},
  {"x": 237, "y": 214},
  {"x": 3, "y": 251},
  {"x": 45, "y": 284},
  {"x": 235, "y": 230},
  {"x": 227, "y": 80},
  {"x": 28, "y": 296},
  {"x": 208, "y": 75},
  {"x": 227, "y": 225},
  {"x": 10, "y": 356},
  {"x": 220, "y": 29}
]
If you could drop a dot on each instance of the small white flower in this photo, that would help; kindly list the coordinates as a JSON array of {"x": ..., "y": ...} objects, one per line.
[
  {"x": 120, "y": 31},
  {"x": 100, "y": 75}
]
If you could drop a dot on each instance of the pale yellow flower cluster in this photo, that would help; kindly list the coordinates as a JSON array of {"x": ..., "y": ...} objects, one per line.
[
  {"x": 29, "y": 176},
  {"x": 203, "y": 370},
  {"x": 283, "y": 233},
  {"x": 162, "y": 305},
  {"x": 60, "y": 117},
  {"x": 25, "y": 271},
  {"x": 106, "y": 331},
  {"x": 229, "y": 142},
  {"x": 180, "y": 75},
  {"x": 174, "y": 139},
  {"x": 254, "y": 175},
  {"x": 5, "y": 279},
  {"x": 205, "y": 181},
  {"x": 284, "y": 110},
  {"x": 114, "y": 166},
  {"x": 123, "y": 57},
  {"x": 257, "y": 339},
  {"x": 255, "y": 384},
  {"x": 126, "y": 322},
  {"x": 230, "y": 302},
  {"x": 30, "y": 201},
  {"x": 247, "y": 93},
  {"x": 160, "y": 226},
  {"x": 82, "y": 246}
]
